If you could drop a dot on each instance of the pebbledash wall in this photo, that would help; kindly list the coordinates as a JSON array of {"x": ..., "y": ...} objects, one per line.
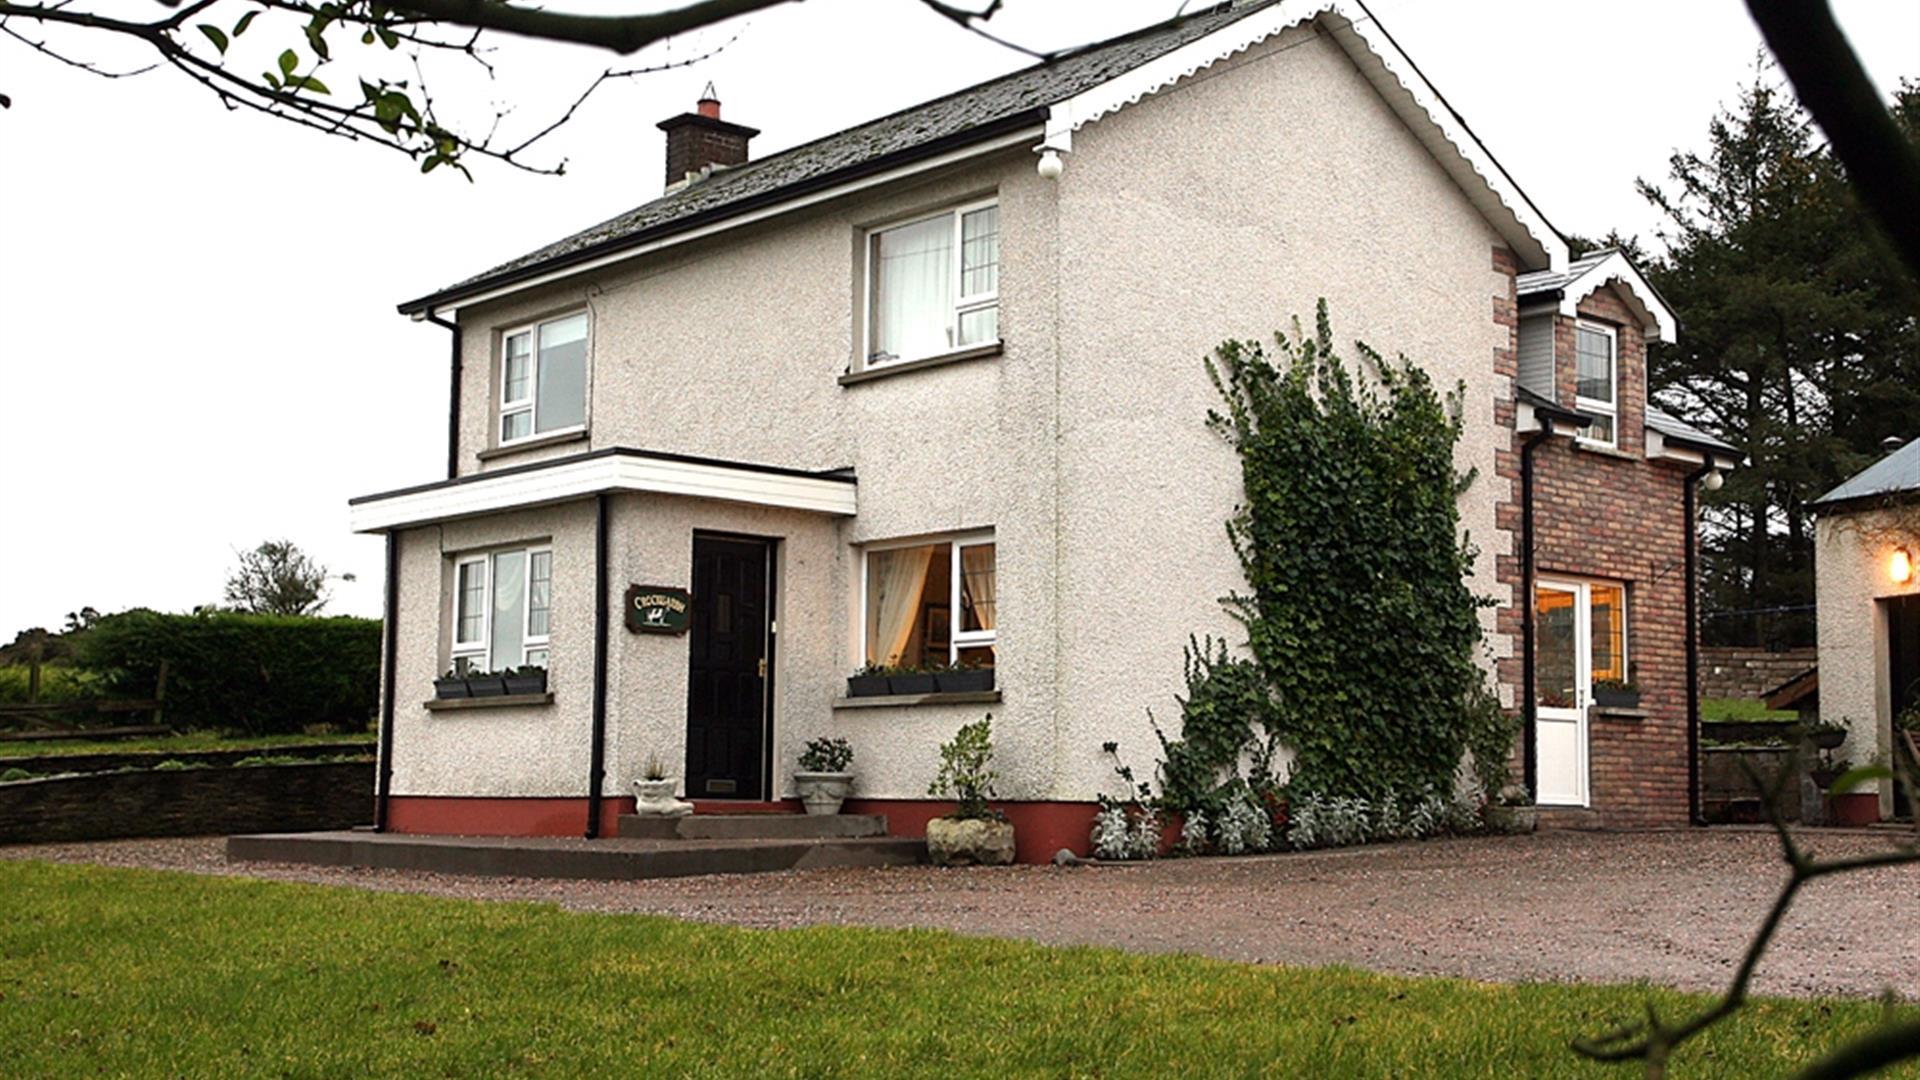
[
  {"x": 1614, "y": 514},
  {"x": 1083, "y": 447},
  {"x": 1856, "y": 690}
]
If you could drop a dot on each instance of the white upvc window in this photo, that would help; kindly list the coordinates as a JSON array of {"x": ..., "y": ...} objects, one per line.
[
  {"x": 543, "y": 379},
  {"x": 933, "y": 284},
  {"x": 930, "y": 601},
  {"x": 502, "y": 609},
  {"x": 1596, "y": 359}
]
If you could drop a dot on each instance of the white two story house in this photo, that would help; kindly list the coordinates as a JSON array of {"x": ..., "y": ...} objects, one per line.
[{"x": 930, "y": 392}]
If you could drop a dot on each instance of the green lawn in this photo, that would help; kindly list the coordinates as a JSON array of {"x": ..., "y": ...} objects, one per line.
[
  {"x": 138, "y": 973},
  {"x": 171, "y": 744}
]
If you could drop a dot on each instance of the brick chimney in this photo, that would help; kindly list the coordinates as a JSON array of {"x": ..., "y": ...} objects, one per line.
[{"x": 700, "y": 139}]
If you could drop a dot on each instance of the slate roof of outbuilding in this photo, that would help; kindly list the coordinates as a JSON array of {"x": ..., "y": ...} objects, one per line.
[
  {"x": 1675, "y": 428},
  {"x": 984, "y": 105},
  {"x": 1895, "y": 474}
]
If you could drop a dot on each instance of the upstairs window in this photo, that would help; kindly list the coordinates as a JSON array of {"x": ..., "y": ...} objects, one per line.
[
  {"x": 502, "y": 609},
  {"x": 933, "y": 284},
  {"x": 1597, "y": 386},
  {"x": 931, "y": 603},
  {"x": 543, "y": 379}
]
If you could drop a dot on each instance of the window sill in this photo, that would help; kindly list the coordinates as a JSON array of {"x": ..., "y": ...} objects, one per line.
[
  {"x": 498, "y": 701},
  {"x": 1631, "y": 714},
  {"x": 558, "y": 438},
  {"x": 884, "y": 701},
  {"x": 975, "y": 352},
  {"x": 1602, "y": 449}
]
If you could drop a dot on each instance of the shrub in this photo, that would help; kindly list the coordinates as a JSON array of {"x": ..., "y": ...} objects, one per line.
[
  {"x": 257, "y": 674},
  {"x": 1244, "y": 827},
  {"x": 966, "y": 770},
  {"x": 826, "y": 755},
  {"x": 1110, "y": 837},
  {"x": 13, "y": 774},
  {"x": 59, "y": 684}
]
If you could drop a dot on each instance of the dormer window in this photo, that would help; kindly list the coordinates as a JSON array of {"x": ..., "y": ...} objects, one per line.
[
  {"x": 933, "y": 284},
  {"x": 1597, "y": 381},
  {"x": 543, "y": 379}
]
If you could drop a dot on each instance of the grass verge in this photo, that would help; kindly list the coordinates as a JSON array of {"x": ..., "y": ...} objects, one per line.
[
  {"x": 142, "y": 973},
  {"x": 1743, "y": 709}
]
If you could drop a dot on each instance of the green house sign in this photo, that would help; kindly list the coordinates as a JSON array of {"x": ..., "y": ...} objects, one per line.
[{"x": 657, "y": 609}]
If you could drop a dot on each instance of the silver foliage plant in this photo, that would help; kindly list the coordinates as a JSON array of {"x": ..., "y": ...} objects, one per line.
[
  {"x": 1243, "y": 828},
  {"x": 1111, "y": 838},
  {"x": 1321, "y": 821}
]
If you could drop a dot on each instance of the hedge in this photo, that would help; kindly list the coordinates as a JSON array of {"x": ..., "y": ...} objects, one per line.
[{"x": 258, "y": 674}]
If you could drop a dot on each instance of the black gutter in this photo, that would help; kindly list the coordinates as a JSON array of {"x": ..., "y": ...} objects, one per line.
[
  {"x": 453, "y": 396},
  {"x": 772, "y": 196},
  {"x": 1693, "y": 645},
  {"x": 597, "y": 764},
  {"x": 390, "y": 627},
  {"x": 843, "y": 474},
  {"x": 1529, "y": 754}
]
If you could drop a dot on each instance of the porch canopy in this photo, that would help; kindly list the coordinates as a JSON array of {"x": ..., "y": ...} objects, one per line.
[{"x": 614, "y": 469}]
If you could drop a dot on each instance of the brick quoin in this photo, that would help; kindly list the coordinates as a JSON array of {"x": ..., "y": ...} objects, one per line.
[{"x": 1613, "y": 515}]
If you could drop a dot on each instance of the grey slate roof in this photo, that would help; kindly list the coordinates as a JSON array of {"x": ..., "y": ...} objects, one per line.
[
  {"x": 951, "y": 117},
  {"x": 1675, "y": 428},
  {"x": 1895, "y": 474},
  {"x": 1540, "y": 281}
]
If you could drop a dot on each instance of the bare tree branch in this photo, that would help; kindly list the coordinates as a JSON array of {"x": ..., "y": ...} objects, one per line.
[{"x": 1882, "y": 166}]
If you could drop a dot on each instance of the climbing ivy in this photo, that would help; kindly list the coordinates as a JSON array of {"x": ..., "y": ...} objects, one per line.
[{"x": 1359, "y": 617}]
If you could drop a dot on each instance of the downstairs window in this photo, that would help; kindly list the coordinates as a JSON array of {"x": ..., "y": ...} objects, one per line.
[
  {"x": 502, "y": 609},
  {"x": 931, "y": 603}
]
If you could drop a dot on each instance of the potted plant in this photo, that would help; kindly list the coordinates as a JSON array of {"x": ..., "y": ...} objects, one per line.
[
  {"x": 869, "y": 681},
  {"x": 823, "y": 780},
  {"x": 451, "y": 685},
  {"x": 962, "y": 679},
  {"x": 974, "y": 834},
  {"x": 486, "y": 683},
  {"x": 910, "y": 680},
  {"x": 530, "y": 679},
  {"x": 653, "y": 793},
  {"x": 1826, "y": 736},
  {"x": 1616, "y": 694}
]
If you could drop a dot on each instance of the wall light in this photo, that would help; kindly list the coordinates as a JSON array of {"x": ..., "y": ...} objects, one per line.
[
  {"x": 1715, "y": 479},
  {"x": 1050, "y": 164},
  {"x": 1900, "y": 566}
]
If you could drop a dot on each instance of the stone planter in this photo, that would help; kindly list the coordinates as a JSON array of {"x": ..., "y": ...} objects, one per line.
[
  {"x": 654, "y": 798},
  {"x": 823, "y": 792},
  {"x": 1827, "y": 738},
  {"x": 970, "y": 841},
  {"x": 1512, "y": 819}
]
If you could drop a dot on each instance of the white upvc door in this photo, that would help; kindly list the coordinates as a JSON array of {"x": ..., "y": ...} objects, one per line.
[{"x": 1563, "y": 688}]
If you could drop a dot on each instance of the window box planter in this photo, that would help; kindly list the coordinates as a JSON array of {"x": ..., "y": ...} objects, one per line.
[
  {"x": 921, "y": 683},
  {"x": 486, "y": 686},
  {"x": 967, "y": 681},
  {"x": 533, "y": 682},
  {"x": 1616, "y": 697},
  {"x": 867, "y": 686},
  {"x": 449, "y": 686}
]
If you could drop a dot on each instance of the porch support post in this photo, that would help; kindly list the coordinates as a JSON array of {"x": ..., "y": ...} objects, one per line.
[
  {"x": 596, "y": 768},
  {"x": 390, "y": 634}
]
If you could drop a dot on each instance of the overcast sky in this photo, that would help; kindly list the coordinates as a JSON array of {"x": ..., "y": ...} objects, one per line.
[{"x": 201, "y": 343}]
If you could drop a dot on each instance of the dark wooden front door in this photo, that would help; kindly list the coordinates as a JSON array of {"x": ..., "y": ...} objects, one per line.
[{"x": 728, "y": 651}]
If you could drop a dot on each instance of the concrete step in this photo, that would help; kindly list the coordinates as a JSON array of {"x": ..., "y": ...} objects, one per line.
[
  {"x": 753, "y": 826},
  {"x": 612, "y": 859}
]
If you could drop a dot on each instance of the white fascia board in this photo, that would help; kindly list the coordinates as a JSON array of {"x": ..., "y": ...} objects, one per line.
[
  {"x": 939, "y": 161},
  {"x": 1655, "y": 316},
  {"x": 1409, "y": 94},
  {"x": 570, "y": 480},
  {"x": 1660, "y": 449}
]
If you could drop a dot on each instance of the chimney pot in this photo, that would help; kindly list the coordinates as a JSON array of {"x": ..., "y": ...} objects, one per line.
[{"x": 698, "y": 141}]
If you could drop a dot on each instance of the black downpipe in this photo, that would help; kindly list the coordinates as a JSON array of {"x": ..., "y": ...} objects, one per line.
[
  {"x": 1693, "y": 647},
  {"x": 597, "y": 765},
  {"x": 390, "y": 631},
  {"x": 453, "y": 397},
  {"x": 1530, "y": 768}
]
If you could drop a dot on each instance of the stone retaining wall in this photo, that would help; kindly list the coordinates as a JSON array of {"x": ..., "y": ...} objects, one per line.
[
  {"x": 188, "y": 802},
  {"x": 52, "y": 764}
]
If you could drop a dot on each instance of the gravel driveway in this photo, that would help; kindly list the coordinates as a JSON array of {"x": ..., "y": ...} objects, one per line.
[{"x": 1669, "y": 907}]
